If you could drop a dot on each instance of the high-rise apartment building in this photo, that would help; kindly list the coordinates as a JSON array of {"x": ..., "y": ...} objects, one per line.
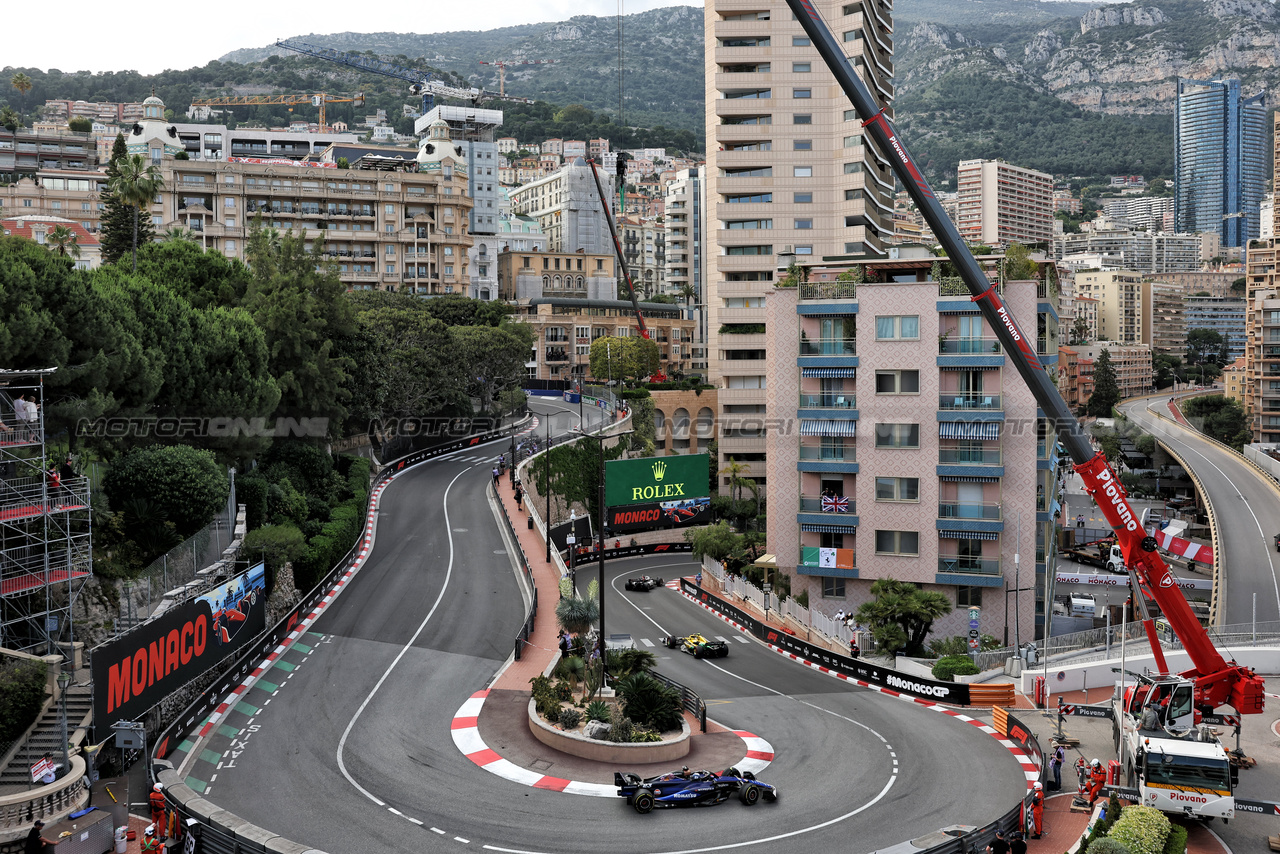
[
  {"x": 1220, "y": 159},
  {"x": 1119, "y": 296},
  {"x": 1143, "y": 251},
  {"x": 1224, "y": 315},
  {"x": 999, "y": 203},
  {"x": 567, "y": 206},
  {"x": 1164, "y": 317},
  {"x": 787, "y": 169}
]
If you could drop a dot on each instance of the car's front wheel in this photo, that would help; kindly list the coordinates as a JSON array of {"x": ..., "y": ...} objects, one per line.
[
  {"x": 750, "y": 794},
  {"x": 643, "y": 801}
]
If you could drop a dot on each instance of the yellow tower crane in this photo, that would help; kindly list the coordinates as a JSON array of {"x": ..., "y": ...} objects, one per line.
[
  {"x": 316, "y": 100},
  {"x": 504, "y": 63}
]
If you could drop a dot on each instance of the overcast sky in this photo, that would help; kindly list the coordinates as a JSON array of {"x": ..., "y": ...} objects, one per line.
[{"x": 153, "y": 37}]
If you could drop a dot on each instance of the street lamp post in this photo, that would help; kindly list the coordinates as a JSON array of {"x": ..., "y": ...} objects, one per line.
[
  {"x": 572, "y": 541},
  {"x": 547, "y": 452}
]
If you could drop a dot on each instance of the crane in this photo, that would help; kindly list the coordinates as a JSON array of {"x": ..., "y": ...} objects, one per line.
[
  {"x": 317, "y": 100},
  {"x": 617, "y": 246},
  {"x": 424, "y": 83},
  {"x": 502, "y": 65}
]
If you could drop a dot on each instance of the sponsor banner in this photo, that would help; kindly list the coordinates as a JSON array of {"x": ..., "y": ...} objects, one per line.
[
  {"x": 1220, "y": 720},
  {"x": 1259, "y": 807},
  {"x": 138, "y": 670},
  {"x": 856, "y": 668},
  {"x": 1021, "y": 735},
  {"x": 656, "y": 479},
  {"x": 658, "y": 515},
  {"x": 1112, "y": 580},
  {"x": 282, "y": 161}
]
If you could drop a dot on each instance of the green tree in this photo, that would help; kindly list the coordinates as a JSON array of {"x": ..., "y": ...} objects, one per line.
[
  {"x": 117, "y": 217},
  {"x": 1204, "y": 345},
  {"x": 1106, "y": 390},
  {"x": 297, "y": 300},
  {"x": 185, "y": 484},
  {"x": 276, "y": 545},
  {"x": 135, "y": 184},
  {"x": 63, "y": 241},
  {"x": 417, "y": 376},
  {"x": 492, "y": 358},
  {"x": 22, "y": 83},
  {"x": 1079, "y": 331},
  {"x": 1018, "y": 264},
  {"x": 79, "y": 124},
  {"x": 10, "y": 119},
  {"x": 1221, "y": 418},
  {"x": 716, "y": 541},
  {"x": 737, "y": 479},
  {"x": 456, "y": 310},
  {"x": 204, "y": 279},
  {"x": 901, "y": 614},
  {"x": 619, "y": 359}
]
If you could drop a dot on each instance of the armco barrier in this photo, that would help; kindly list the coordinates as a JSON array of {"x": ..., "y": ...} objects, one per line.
[
  {"x": 855, "y": 668},
  {"x": 222, "y": 831}
]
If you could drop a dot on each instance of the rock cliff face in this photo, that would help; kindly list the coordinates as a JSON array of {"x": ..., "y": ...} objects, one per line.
[{"x": 1114, "y": 16}]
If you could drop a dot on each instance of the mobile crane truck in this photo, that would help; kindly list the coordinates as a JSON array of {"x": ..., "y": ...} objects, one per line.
[{"x": 1211, "y": 682}]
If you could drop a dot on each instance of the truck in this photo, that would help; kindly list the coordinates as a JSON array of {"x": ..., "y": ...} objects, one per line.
[
  {"x": 1101, "y": 553},
  {"x": 1176, "y": 763},
  {"x": 1211, "y": 681}
]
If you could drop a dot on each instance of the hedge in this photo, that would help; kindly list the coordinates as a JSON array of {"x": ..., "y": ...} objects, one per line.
[
  {"x": 950, "y": 666},
  {"x": 1143, "y": 830},
  {"x": 22, "y": 684}
]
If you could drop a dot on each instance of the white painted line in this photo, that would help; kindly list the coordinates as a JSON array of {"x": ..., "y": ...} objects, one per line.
[
  {"x": 437, "y": 830},
  {"x": 414, "y": 820},
  {"x": 740, "y": 639},
  {"x": 394, "y": 810},
  {"x": 646, "y": 642},
  {"x": 463, "y": 841}
]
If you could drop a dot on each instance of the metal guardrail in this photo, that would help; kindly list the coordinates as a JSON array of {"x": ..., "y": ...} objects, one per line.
[{"x": 689, "y": 699}]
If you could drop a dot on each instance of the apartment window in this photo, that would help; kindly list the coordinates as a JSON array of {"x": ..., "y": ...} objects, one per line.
[
  {"x": 803, "y": 223},
  {"x": 800, "y": 41},
  {"x": 231, "y": 245},
  {"x": 749, "y": 223},
  {"x": 746, "y": 120},
  {"x": 897, "y": 382},
  {"x": 758, "y": 249},
  {"x": 851, "y": 9},
  {"x": 853, "y": 140},
  {"x": 750, "y": 172},
  {"x": 26, "y": 203},
  {"x": 747, "y": 94},
  {"x": 897, "y": 489},
  {"x": 448, "y": 269},
  {"x": 802, "y": 171},
  {"x": 851, "y": 116},
  {"x": 390, "y": 228},
  {"x": 897, "y": 435},
  {"x": 749, "y": 198},
  {"x": 801, "y": 67},
  {"x": 852, "y": 195},
  {"x": 803, "y": 145},
  {"x": 852, "y": 168},
  {"x": 804, "y": 249},
  {"x": 897, "y": 326},
  {"x": 897, "y": 543},
  {"x": 230, "y": 222},
  {"x": 57, "y": 206},
  {"x": 759, "y": 41},
  {"x": 852, "y": 35},
  {"x": 84, "y": 206},
  {"x": 803, "y": 198},
  {"x": 391, "y": 252},
  {"x": 391, "y": 268},
  {"x": 832, "y": 588},
  {"x": 802, "y": 119},
  {"x": 968, "y": 597}
]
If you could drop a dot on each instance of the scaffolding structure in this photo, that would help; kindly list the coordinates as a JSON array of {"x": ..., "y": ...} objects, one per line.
[{"x": 45, "y": 531}]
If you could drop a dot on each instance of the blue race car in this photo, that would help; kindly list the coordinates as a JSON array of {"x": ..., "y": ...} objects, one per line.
[{"x": 685, "y": 787}]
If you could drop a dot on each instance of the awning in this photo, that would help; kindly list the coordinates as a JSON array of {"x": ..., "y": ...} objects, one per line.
[
  {"x": 985, "y": 431},
  {"x": 828, "y": 373},
  {"x": 968, "y": 478},
  {"x": 968, "y": 535},
  {"x": 827, "y": 427},
  {"x": 815, "y": 528}
]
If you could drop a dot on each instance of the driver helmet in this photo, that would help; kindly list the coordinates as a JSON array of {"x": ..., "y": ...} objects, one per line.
[{"x": 684, "y": 769}]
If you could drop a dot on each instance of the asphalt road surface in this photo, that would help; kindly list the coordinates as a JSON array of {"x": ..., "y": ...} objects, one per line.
[
  {"x": 1246, "y": 507},
  {"x": 354, "y": 751}
]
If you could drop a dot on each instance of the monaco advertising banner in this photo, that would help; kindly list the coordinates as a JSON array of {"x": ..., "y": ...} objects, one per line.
[
  {"x": 133, "y": 673},
  {"x": 657, "y": 492}
]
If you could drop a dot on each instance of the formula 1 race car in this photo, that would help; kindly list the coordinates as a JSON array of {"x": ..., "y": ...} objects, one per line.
[
  {"x": 698, "y": 646},
  {"x": 684, "y": 787},
  {"x": 644, "y": 582}
]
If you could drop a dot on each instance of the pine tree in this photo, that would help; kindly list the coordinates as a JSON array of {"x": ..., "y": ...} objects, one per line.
[
  {"x": 1106, "y": 391},
  {"x": 117, "y": 217}
]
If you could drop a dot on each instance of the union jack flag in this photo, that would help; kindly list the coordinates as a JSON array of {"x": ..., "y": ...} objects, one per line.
[{"x": 835, "y": 504}]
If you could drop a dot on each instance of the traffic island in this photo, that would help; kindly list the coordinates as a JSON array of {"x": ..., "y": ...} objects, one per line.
[{"x": 574, "y": 743}]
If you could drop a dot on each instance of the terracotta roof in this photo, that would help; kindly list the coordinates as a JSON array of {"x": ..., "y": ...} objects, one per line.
[{"x": 27, "y": 225}]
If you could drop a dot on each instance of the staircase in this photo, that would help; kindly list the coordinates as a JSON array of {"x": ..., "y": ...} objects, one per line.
[{"x": 46, "y": 738}]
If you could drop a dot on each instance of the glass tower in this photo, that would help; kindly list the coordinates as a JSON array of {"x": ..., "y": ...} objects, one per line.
[{"x": 1220, "y": 159}]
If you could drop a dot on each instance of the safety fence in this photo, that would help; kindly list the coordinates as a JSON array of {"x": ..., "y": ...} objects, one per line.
[
  {"x": 828, "y": 626},
  {"x": 218, "y": 831},
  {"x": 522, "y": 637}
]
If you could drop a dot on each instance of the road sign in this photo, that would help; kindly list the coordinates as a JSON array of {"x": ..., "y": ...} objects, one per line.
[
  {"x": 973, "y": 634},
  {"x": 41, "y": 769},
  {"x": 973, "y": 624}
]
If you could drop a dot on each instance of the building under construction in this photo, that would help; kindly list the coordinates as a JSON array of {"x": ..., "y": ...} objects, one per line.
[{"x": 45, "y": 532}]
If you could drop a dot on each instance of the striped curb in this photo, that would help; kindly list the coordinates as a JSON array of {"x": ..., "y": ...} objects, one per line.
[
  {"x": 1029, "y": 766},
  {"x": 466, "y": 735}
]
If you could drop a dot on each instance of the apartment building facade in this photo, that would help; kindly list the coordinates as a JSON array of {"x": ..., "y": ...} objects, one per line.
[
  {"x": 998, "y": 203},
  {"x": 1224, "y": 315},
  {"x": 1119, "y": 296},
  {"x": 903, "y": 443},
  {"x": 1165, "y": 317},
  {"x": 26, "y": 152},
  {"x": 787, "y": 171},
  {"x": 1131, "y": 362},
  {"x": 644, "y": 245},
  {"x": 567, "y": 207},
  {"x": 686, "y": 215},
  {"x": 1142, "y": 251}
]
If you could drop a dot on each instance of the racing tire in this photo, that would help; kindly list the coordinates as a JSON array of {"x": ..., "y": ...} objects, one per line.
[
  {"x": 671, "y": 642},
  {"x": 659, "y": 581},
  {"x": 697, "y": 652},
  {"x": 643, "y": 801},
  {"x": 750, "y": 794}
]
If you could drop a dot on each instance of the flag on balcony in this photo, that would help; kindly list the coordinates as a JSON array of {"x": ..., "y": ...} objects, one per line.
[
  {"x": 827, "y": 558},
  {"x": 835, "y": 504}
]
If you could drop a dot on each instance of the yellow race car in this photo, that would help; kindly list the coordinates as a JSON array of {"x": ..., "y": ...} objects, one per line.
[{"x": 698, "y": 646}]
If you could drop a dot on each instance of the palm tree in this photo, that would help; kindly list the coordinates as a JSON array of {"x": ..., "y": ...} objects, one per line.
[
  {"x": 736, "y": 470},
  {"x": 22, "y": 83},
  {"x": 135, "y": 184},
  {"x": 64, "y": 240},
  {"x": 173, "y": 234}
]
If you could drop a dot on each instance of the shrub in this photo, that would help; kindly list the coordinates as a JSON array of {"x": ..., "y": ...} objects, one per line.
[
  {"x": 645, "y": 736},
  {"x": 620, "y": 727},
  {"x": 544, "y": 698},
  {"x": 1107, "y": 845},
  {"x": 1177, "y": 841},
  {"x": 951, "y": 666},
  {"x": 184, "y": 483},
  {"x": 22, "y": 684},
  {"x": 1143, "y": 830},
  {"x": 649, "y": 702},
  {"x": 624, "y": 662},
  {"x": 569, "y": 717},
  {"x": 954, "y": 645},
  {"x": 598, "y": 710},
  {"x": 252, "y": 493},
  {"x": 564, "y": 691}
]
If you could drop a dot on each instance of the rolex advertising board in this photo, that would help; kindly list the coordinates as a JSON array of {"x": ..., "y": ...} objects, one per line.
[{"x": 657, "y": 492}]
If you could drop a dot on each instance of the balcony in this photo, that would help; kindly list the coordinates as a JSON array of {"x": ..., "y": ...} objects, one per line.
[
  {"x": 827, "y": 400},
  {"x": 829, "y": 347},
  {"x": 828, "y": 290},
  {"x": 965, "y": 565},
  {"x": 968, "y": 457},
  {"x": 968, "y": 401},
  {"x": 986, "y": 511},
  {"x": 834, "y": 505},
  {"x": 828, "y": 453},
  {"x": 984, "y": 345}
]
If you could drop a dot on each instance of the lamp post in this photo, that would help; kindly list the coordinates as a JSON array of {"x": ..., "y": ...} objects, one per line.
[
  {"x": 64, "y": 682},
  {"x": 547, "y": 452},
  {"x": 572, "y": 541}
]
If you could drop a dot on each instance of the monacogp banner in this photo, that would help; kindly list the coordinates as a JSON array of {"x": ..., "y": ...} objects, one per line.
[{"x": 133, "y": 673}]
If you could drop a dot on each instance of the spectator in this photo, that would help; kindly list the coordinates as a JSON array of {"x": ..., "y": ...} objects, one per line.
[{"x": 999, "y": 845}]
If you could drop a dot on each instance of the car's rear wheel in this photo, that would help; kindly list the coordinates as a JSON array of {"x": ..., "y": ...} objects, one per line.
[
  {"x": 643, "y": 801},
  {"x": 697, "y": 652},
  {"x": 750, "y": 794}
]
